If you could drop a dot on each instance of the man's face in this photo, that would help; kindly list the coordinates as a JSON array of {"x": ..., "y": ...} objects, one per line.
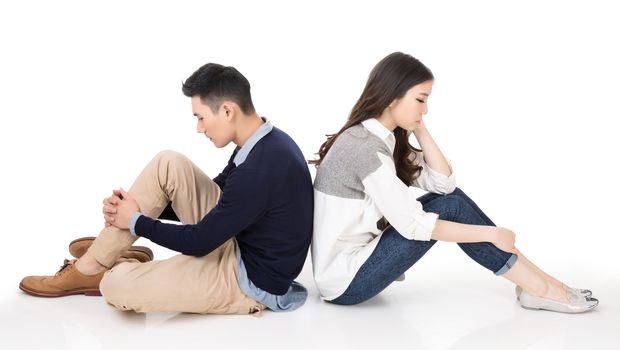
[{"x": 217, "y": 127}]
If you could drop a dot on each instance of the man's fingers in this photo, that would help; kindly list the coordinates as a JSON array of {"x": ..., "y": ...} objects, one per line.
[
  {"x": 124, "y": 194},
  {"x": 109, "y": 210},
  {"x": 110, "y": 200}
]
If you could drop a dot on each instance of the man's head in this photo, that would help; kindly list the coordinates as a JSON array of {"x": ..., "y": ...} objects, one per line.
[{"x": 220, "y": 96}]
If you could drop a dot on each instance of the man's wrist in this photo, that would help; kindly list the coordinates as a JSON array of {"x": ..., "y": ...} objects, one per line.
[{"x": 132, "y": 222}]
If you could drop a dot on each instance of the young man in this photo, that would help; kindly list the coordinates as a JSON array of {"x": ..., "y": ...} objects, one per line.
[{"x": 245, "y": 234}]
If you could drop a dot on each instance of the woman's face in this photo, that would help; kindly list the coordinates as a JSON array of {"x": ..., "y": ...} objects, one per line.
[{"x": 407, "y": 111}]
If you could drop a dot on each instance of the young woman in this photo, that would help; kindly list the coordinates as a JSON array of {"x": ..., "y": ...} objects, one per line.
[{"x": 368, "y": 226}]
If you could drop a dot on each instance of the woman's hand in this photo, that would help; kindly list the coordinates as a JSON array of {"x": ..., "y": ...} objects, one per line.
[
  {"x": 504, "y": 239},
  {"x": 117, "y": 210}
]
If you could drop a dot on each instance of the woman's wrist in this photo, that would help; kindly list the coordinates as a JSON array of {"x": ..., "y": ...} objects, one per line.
[{"x": 490, "y": 234}]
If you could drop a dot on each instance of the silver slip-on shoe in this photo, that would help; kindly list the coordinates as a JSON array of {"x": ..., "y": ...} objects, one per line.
[
  {"x": 577, "y": 303},
  {"x": 584, "y": 292}
]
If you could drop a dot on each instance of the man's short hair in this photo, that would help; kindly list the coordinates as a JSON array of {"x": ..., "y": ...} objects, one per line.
[{"x": 215, "y": 83}]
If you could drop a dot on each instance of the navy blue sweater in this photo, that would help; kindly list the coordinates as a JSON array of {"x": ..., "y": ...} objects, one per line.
[{"x": 266, "y": 203}]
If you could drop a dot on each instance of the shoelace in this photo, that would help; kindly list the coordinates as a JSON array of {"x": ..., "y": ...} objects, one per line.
[{"x": 64, "y": 266}]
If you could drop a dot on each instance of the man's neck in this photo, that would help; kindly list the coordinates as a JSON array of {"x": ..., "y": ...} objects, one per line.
[{"x": 248, "y": 124}]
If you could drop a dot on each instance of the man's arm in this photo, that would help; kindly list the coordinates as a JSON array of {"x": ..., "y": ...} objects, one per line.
[{"x": 242, "y": 203}]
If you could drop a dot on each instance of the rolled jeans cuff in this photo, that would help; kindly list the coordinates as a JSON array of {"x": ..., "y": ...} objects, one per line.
[{"x": 510, "y": 263}]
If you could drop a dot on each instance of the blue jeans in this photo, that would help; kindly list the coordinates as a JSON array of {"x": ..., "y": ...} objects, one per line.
[{"x": 395, "y": 254}]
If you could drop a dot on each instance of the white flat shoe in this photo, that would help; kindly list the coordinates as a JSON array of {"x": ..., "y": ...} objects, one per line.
[
  {"x": 577, "y": 303},
  {"x": 584, "y": 292}
]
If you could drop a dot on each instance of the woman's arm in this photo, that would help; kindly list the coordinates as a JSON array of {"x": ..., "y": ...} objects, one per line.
[
  {"x": 432, "y": 154},
  {"x": 450, "y": 231}
]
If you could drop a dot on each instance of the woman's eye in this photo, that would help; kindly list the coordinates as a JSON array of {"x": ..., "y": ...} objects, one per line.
[{"x": 419, "y": 100}]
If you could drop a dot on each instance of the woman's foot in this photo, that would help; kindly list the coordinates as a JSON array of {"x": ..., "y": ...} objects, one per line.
[
  {"x": 566, "y": 300},
  {"x": 584, "y": 292}
]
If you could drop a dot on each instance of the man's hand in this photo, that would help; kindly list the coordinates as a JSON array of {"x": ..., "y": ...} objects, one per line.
[
  {"x": 108, "y": 207},
  {"x": 118, "y": 208}
]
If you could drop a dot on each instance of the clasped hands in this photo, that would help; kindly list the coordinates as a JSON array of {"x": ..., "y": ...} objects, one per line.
[{"x": 118, "y": 209}]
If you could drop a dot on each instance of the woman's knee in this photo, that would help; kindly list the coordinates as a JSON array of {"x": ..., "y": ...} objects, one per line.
[
  {"x": 454, "y": 208},
  {"x": 454, "y": 203},
  {"x": 457, "y": 192}
]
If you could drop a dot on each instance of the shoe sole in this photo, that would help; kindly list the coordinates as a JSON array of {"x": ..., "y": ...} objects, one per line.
[
  {"x": 562, "y": 312},
  {"x": 86, "y": 292},
  {"x": 77, "y": 250}
]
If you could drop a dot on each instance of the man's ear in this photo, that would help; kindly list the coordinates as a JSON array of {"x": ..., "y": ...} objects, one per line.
[{"x": 228, "y": 110}]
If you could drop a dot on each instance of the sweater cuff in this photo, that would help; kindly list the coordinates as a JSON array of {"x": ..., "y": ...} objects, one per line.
[
  {"x": 132, "y": 223},
  {"x": 424, "y": 226}
]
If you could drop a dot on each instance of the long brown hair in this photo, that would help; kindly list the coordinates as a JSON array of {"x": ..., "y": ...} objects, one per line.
[{"x": 389, "y": 80}]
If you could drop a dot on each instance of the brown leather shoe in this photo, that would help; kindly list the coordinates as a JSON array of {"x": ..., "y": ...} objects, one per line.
[
  {"x": 67, "y": 281},
  {"x": 79, "y": 246}
]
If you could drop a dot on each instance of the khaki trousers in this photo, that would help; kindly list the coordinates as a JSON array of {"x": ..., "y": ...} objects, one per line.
[{"x": 182, "y": 283}]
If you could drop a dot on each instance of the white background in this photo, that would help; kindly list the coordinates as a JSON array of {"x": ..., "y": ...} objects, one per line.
[{"x": 524, "y": 104}]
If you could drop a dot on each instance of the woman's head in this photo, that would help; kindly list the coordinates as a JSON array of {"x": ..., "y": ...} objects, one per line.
[
  {"x": 395, "y": 94},
  {"x": 406, "y": 112},
  {"x": 396, "y": 80}
]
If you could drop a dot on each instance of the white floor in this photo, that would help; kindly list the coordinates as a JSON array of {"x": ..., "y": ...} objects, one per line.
[{"x": 446, "y": 302}]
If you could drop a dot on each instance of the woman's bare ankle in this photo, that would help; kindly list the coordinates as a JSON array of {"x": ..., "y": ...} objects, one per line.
[
  {"x": 538, "y": 289},
  {"x": 557, "y": 293}
]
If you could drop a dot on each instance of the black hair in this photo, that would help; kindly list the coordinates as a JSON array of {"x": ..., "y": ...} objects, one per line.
[
  {"x": 389, "y": 80},
  {"x": 215, "y": 83}
]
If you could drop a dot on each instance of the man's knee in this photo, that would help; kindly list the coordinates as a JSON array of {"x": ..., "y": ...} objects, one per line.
[
  {"x": 169, "y": 156},
  {"x": 171, "y": 159},
  {"x": 114, "y": 284}
]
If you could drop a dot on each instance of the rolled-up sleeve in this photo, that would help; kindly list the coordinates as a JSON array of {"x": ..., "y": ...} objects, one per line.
[
  {"x": 399, "y": 205},
  {"x": 434, "y": 181}
]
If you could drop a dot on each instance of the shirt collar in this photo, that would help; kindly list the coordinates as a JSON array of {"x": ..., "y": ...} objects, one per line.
[
  {"x": 375, "y": 127},
  {"x": 247, "y": 147}
]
